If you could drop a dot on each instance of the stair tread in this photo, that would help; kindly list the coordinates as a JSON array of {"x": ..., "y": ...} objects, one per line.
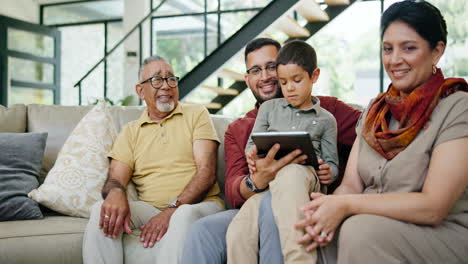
[
  {"x": 291, "y": 28},
  {"x": 231, "y": 74},
  {"x": 221, "y": 90},
  {"x": 337, "y": 2},
  {"x": 213, "y": 105},
  {"x": 210, "y": 105},
  {"x": 311, "y": 11}
]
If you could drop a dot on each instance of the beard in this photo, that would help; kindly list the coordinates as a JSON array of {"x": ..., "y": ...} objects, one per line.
[
  {"x": 165, "y": 107},
  {"x": 261, "y": 99}
]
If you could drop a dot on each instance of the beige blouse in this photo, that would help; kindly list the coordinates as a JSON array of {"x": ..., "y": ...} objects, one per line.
[{"x": 407, "y": 171}]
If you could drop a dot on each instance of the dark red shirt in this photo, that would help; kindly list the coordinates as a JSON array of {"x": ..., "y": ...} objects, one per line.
[{"x": 238, "y": 133}]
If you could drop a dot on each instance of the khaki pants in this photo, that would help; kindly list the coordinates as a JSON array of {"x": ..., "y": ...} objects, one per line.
[
  {"x": 100, "y": 249},
  {"x": 378, "y": 239},
  {"x": 290, "y": 190}
]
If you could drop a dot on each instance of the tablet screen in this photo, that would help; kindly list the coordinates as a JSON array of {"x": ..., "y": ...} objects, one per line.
[{"x": 288, "y": 141}]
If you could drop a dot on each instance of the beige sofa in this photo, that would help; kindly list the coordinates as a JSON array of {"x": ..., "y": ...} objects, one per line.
[{"x": 58, "y": 238}]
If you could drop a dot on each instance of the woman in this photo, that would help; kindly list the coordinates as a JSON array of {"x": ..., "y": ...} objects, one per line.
[{"x": 404, "y": 196}]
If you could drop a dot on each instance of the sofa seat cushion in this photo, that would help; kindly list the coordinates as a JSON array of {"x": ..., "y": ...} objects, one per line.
[
  {"x": 48, "y": 226},
  {"x": 54, "y": 239}
]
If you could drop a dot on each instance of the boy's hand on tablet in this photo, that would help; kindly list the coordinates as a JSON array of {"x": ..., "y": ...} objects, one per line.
[
  {"x": 267, "y": 167},
  {"x": 251, "y": 157},
  {"x": 324, "y": 173}
]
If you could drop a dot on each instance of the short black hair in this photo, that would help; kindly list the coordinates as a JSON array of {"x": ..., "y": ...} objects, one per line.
[
  {"x": 259, "y": 43},
  {"x": 423, "y": 17},
  {"x": 300, "y": 53}
]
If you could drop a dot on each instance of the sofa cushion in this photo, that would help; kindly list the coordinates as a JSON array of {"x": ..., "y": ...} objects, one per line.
[
  {"x": 13, "y": 119},
  {"x": 59, "y": 121},
  {"x": 121, "y": 115},
  {"x": 74, "y": 184},
  {"x": 221, "y": 123},
  {"x": 20, "y": 162},
  {"x": 47, "y": 226},
  {"x": 55, "y": 239}
]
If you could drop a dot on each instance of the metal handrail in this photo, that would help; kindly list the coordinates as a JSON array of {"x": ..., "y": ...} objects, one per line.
[{"x": 107, "y": 53}]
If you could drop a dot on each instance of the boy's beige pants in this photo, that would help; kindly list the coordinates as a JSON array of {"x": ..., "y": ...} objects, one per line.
[{"x": 290, "y": 190}]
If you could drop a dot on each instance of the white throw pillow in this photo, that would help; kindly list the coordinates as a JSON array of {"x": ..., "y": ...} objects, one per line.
[{"x": 74, "y": 184}]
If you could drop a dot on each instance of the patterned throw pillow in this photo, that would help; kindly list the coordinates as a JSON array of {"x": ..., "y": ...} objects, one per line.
[{"x": 74, "y": 184}]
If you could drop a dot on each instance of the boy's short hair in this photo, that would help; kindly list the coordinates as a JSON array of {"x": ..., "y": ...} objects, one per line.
[
  {"x": 300, "y": 53},
  {"x": 259, "y": 43}
]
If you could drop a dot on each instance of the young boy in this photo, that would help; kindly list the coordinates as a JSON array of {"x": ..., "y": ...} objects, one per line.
[{"x": 297, "y": 111}]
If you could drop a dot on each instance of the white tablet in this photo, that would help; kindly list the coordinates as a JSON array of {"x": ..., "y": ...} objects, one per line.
[{"x": 288, "y": 141}]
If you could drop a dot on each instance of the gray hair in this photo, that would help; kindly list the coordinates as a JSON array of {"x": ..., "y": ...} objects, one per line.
[{"x": 147, "y": 61}]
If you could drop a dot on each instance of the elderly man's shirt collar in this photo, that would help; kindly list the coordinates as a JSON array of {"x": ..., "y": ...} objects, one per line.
[{"x": 144, "y": 118}]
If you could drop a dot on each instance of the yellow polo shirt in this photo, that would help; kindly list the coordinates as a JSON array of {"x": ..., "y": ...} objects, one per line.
[{"x": 161, "y": 153}]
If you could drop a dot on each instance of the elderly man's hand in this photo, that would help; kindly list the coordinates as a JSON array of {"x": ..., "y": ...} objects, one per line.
[
  {"x": 156, "y": 228},
  {"x": 115, "y": 214}
]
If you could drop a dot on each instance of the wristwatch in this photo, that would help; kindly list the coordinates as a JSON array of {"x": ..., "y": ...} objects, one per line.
[
  {"x": 174, "y": 203},
  {"x": 251, "y": 185}
]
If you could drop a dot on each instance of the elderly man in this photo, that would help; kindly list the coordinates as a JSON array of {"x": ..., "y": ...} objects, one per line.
[
  {"x": 206, "y": 243},
  {"x": 169, "y": 153}
]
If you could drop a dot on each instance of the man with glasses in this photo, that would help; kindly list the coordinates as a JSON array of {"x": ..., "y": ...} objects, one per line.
[
  {"x": 206, "y": 242},
  {"x": 169, "y": 153}
]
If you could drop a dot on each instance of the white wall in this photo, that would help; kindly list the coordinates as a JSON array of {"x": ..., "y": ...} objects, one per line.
[{"x": 26, "y": 10}]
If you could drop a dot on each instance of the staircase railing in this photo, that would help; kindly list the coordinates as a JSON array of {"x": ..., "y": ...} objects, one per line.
[{"x": 108, "y": 53}]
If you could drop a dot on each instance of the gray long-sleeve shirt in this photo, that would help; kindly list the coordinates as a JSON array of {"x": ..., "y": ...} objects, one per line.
[{"x": 277, "y": 115}]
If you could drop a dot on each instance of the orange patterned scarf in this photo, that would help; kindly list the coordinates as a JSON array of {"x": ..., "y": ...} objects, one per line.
[{"x": 411, "y": 112}]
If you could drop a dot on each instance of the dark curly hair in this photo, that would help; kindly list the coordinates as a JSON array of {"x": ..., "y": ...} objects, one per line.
[{"x": 423, "y": 17}]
